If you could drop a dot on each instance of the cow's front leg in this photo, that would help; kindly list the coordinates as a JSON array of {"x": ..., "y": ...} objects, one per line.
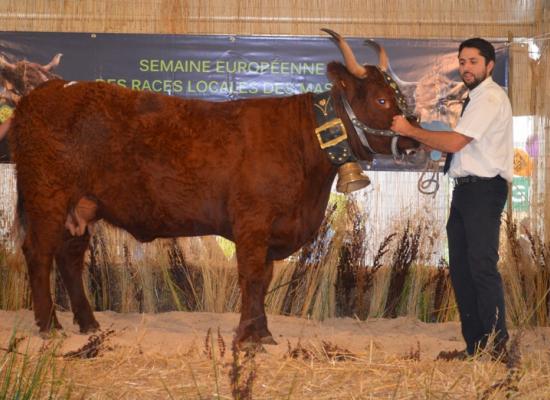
[
  {"x": 267, "y": 337},
  {"x": 254, "y": 277}
]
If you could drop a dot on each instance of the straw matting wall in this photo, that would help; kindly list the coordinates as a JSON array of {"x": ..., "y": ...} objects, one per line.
[{"x": 376, "y": 18}]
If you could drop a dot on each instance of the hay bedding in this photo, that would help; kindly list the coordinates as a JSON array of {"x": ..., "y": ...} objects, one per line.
[{"x": 190, "y": 355}]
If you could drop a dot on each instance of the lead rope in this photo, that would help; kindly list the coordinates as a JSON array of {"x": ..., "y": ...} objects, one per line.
[{"x": 429, "y": 184}]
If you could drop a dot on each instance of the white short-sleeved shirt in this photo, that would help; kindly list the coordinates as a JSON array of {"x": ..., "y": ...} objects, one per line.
[{"x": 488, "y": 121}]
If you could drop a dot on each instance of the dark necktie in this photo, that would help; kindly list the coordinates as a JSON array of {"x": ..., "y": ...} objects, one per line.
[{"x": 450, "y": 155}]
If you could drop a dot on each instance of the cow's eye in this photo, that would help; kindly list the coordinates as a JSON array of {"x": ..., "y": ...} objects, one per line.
[{"x": 382, "y": 101}]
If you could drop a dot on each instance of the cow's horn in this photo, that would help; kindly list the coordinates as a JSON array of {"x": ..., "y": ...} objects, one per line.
[
  {"x": 5, "y": 64},
  {"x": 383, "y": 61},
  {"x": 351, "y": 63},
  {"x": 54, "y": 62}
]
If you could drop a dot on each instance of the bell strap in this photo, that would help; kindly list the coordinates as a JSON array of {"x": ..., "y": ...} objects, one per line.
[{"x": 331, "y": 132}]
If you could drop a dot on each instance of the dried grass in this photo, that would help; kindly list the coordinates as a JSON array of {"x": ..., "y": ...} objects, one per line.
[
  {"x": 325, "y": 351},
  {"x": 526, "y": 274},
  {"x": 243, "y": 372},
  {"x": 95, "y": 346},
  {"x": 125, "y": 373},
  {"x": 405, "y": 254}
]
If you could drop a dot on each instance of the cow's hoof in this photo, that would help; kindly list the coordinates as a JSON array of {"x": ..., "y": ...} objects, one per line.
[
  {"x": 90, "y": 327},
  {"x": 251, "y": 347},
  {"x": 268, "y": 340},
  {"x": 52, "y": 334},
  {"x": 49, "y": 329}
]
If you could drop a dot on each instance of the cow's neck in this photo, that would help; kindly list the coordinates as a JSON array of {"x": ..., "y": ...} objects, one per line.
[{"x": 330, "y": 131}]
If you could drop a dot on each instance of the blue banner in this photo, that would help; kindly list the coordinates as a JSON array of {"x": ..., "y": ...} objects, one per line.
[{"x": 226, "y": 67}]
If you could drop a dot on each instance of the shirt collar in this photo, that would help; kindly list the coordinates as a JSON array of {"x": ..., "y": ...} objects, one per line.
[{"x": 479, "y": 88}]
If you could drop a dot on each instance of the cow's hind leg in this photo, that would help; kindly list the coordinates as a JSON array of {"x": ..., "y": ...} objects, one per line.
[
  {"x": 39, "y": 247},
  {"x": 70, "y": 262},
  {"x": 255, "y": 273}
]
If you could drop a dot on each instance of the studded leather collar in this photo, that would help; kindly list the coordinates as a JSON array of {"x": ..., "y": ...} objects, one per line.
[{"x": 330, "y": 131}]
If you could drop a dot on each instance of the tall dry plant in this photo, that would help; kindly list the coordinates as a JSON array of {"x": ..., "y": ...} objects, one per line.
[
  {"x": 61, "y": 297},
  {"x": 283, "y": 278},
  {"x": 14, "y": 285},
  {"x": 187, "y": 279},
  {"x": 320, "y": 298},
  {"x": 131, "y": 294},
  {"x": 517, "y": 272},
  {"x": 309, "y": 260},
  {"x": 243, "y": 372},
  {"x": 436, "y": 294},
  {"x": 405, "y": 254},
  {"x": 220, "y": 290},
  {"x": 443, "y": 303},
  {"x": 540, "y": 256},
  {"x": 351, "y": 262},
  {"x": 355, "y": 277},
  {"x": 526, "y": 274},
  {"x": 147, "y": 280},
  {"x": 99, "y": 279},
  {"x": 366, "y": 279}
]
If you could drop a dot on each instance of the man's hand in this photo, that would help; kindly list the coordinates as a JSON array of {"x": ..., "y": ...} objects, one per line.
[
  {"x": 447, "y": 141},
  {"x": 401, "y": 125}
]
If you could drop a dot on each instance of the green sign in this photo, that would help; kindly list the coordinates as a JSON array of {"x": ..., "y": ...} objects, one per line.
[{"x": 520, "y": 193}]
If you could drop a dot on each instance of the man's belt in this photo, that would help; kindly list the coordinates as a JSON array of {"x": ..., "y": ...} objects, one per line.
[{"x": 461, "y": 180}]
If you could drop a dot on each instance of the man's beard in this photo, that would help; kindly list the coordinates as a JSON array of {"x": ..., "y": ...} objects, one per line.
[{"x": 475, "y": 83}]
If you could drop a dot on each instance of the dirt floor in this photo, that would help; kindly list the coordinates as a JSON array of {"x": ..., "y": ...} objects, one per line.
[{"x": 173, "y": 353}]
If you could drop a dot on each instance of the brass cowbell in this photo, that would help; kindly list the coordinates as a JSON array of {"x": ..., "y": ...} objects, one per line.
[{"x": 351, "y": 178}]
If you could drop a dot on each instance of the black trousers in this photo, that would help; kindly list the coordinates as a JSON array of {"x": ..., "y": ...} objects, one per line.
[{"x": 473, "y": 233}]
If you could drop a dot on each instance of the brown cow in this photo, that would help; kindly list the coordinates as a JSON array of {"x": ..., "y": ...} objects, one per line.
[{"x": 249, "y": 170}]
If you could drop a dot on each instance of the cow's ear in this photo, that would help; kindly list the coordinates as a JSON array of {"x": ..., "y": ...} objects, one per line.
[{"x": 339, "y": 75}]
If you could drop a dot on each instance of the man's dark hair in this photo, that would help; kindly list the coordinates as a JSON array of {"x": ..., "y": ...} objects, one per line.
[{"x": 485, "y": 48}]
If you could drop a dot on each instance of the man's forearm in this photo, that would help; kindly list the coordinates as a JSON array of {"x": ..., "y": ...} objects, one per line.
[{"x": 447, "y": 141}]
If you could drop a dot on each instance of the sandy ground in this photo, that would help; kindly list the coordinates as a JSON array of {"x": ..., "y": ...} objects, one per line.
[{"x": 178, "y": 332}]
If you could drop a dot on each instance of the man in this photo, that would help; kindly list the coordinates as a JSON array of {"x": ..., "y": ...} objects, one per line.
[{"x": 481, "y": 162}]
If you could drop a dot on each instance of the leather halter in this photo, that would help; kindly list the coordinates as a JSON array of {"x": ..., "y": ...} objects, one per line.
[
  {"x": 331, "y": 131},
  {"x": 361, "y": 128}
]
